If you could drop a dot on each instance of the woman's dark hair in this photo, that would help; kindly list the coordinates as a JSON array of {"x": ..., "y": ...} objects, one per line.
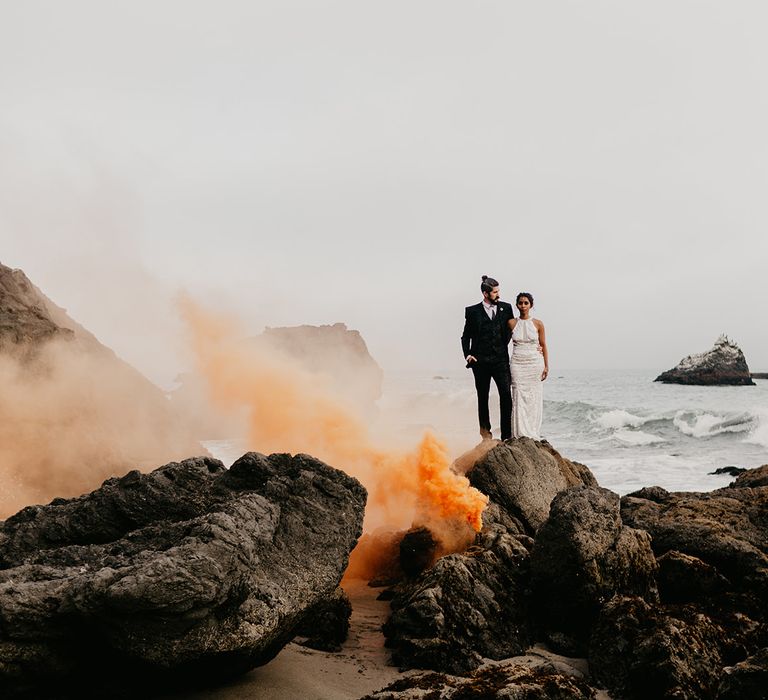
[
  {"x": 488, "y": 284},
  {"x": 527, "y": 295}
]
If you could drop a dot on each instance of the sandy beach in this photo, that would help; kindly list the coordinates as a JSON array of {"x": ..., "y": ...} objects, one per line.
[{"x": 298, "y": 672}]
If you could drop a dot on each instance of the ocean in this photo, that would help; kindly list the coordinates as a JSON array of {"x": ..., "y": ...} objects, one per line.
[{"x": 629, "y": 430}]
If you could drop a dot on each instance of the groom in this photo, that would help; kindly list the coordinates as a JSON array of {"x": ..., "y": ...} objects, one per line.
[{"x": 484, "y": 343}]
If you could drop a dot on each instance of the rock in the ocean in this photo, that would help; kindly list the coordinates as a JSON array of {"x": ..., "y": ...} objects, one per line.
[
  {"x": 466, "y": 607},
  {"x": 723, "y": 364},
  {"x": 184, "y": 575},
  {"x": 521, "y": 477},
  {"x": 582, "y": 556}
]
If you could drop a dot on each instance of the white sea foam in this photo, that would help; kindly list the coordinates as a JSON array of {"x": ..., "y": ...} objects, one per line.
[
  {"x": 637, "y": 437},
  {"x": 618, "y": 418},
  {"x": 704, "y": 425},
  {"x": 759, "y": 436}
]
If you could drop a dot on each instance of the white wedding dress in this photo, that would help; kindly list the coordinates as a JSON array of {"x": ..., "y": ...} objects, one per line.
[{"x": 527, "y": 364}]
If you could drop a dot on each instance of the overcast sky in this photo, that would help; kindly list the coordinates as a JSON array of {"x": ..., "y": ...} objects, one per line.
[{"x": 367, "y": 162}]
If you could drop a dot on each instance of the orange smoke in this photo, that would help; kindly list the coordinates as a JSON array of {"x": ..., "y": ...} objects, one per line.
[
  {"x": 70, "y": 418},
  {"x": 293, "y": 410}
]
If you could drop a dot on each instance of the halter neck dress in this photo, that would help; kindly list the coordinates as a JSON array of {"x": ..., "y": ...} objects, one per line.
[{"x": 526, "y": 365}]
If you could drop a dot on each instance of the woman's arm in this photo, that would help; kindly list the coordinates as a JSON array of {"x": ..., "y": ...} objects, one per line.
[
  {"x": 512, "y": 323},
  {"x": 543, "y": 344}
]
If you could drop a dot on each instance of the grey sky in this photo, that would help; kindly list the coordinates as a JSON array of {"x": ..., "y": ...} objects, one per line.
[{"x": 313, "y": 162}]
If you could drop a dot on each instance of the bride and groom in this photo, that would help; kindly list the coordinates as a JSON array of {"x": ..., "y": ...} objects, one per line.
[{"x": 488, "y": 329}]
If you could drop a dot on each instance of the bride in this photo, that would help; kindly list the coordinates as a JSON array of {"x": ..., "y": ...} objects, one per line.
[{"x": 530, "y": 367}]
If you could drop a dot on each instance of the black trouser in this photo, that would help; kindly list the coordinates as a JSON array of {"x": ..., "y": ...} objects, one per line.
[{"x": 499, "y": 372}]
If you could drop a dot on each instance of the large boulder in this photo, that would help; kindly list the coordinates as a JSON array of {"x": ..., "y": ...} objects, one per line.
[
  {"x": 521, "y": 477},
  {"x": 466, "y": 607},
  {"x": 73, "y": 413},
  {"x": 724, "y": 535},
  {"x": 189, "y": 573},
  {"x": 639, "y": 651},
  {"x": 582, "y": 556},
  {"x": 723, "y": 364}
]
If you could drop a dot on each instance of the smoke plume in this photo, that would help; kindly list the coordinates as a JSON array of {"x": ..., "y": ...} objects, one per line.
[{"x": 292, "y": 410}]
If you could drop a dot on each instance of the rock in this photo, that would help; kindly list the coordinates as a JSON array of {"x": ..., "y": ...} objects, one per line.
[
  {"x": 639, "y": 651},
  {"x": 466, "y": 607},
  {"x": 326, "y": 625},
  {"x": 582, "y": 556},
  {"x": 418, "y": 550},
  {"x": 185, "y": 575},
  {"x": 724, "y": 529},
  {"x": 522, "y": 477},
  {"x": 723, "y": 364},
  {"x": 73, "y": 412},
  {"x": 511, "y": 680},
  {"x": 730, "y": 470},
  {"x": 747, "y": 680},
  {"x": 751, "y": 478},
  {"x": 686, "y": 579}
]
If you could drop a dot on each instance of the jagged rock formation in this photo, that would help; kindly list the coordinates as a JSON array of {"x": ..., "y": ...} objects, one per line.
[
  {"x": 521, "y": 477},
  {"x": 184, "y": 575},
  {"x": 326, "y": 625},
  {"x": 751, "y": 478},
  {"x": 475, "y": 604},
  {"x": 747, "y": 680},
  {"x": 582, "y": 556},
  {"x": 723, "y": 364},
  {"x": 72, "y": 412},
  {"x": 466, "y": 607},
  {"x": 525, "y": 678}
]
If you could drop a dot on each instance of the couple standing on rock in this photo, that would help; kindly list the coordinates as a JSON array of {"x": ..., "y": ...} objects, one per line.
[{"x": 488, "y": 328}]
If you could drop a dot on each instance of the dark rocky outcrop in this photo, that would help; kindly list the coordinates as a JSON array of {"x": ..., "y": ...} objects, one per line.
[
  {"x": 747, "y": 680},
  {"x": 508, "y": 680},
  {"x": 582, "y": 556},
  {"x": 751, "y": 478},
  {"x": 466, "y": 607},
  {"x": 187, "y": 574},
  {"x": 521, "y": 477},
  {"x": 640, "y": 651},
  {"x": 725, "y": 530},
  {"x": 326, "y": 626},
  {"x": 723, "y": 364}
]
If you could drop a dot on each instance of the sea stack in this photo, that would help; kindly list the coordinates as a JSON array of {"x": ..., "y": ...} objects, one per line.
[{"x": 724, "y": 364}]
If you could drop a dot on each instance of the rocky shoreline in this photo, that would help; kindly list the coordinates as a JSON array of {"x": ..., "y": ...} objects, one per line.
[{"x": 193, "y": 574}]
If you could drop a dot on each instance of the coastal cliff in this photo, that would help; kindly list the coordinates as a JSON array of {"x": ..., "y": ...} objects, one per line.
[
  {"x": 73, "y": 413},
  {"x": 724, "y": 364}
]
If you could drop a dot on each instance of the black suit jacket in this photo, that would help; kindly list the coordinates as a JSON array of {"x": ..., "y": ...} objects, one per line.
[{"x": 480, "y": 339}]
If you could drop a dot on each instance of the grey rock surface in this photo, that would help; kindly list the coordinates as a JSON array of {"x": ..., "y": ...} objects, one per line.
[
  {"x": 187, "y": 574},
  {"x": 723, "y": 364},
  {"x": 582, "y": 556},
  {"x": 466, "y": 607},
  {"x": 725, "y": 529},
  {"x": 521, "y": 477}
]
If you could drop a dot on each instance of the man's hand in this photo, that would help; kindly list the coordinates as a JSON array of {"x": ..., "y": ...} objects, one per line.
[{"x": 471, "y": 358}]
